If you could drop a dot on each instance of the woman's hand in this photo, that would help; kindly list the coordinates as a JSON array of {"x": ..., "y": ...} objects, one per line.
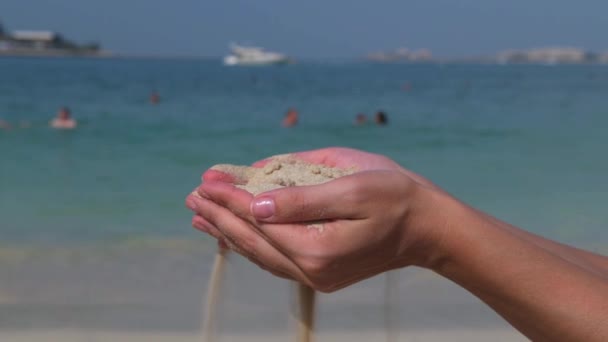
[
  {"x": 329, "y": 235},
  {"x": 334, "y": 234}
]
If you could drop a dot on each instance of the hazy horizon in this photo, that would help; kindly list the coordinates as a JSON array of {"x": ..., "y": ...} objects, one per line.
[{"x": 316, "y": 29}]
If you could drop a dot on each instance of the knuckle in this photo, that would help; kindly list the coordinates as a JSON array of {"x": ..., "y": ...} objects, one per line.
[
  {"x": 216, "y": 233},
  {"x": 315, "y": 268},
  {"x": 357, "y": 193},
  {"x": 296, "y": 203},
  {"x": 247, "y": 243}
]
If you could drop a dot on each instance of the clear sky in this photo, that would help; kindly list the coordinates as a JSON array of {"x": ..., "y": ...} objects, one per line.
[{"x": 317, "y": 28}]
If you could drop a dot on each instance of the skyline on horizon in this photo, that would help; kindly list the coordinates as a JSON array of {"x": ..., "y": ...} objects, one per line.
[{"x": 316, "y": 29}]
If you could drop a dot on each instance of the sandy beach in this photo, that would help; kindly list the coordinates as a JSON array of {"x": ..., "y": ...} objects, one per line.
[
  {"x": 446, "y": 335},
  {"x": 154, "y": 291}
]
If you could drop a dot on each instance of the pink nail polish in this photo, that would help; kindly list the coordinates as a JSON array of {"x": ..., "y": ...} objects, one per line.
[{"x": 263, "y": 208}]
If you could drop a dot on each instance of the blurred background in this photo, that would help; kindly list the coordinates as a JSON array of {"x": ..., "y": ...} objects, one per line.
[{"x": 110, "y": 111}]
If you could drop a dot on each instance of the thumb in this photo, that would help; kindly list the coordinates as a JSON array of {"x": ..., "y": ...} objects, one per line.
[{"x": 336, "y": 199}]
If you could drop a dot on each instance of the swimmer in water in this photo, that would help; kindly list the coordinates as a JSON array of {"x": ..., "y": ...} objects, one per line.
[
  {"x": 154, "y": 98},
  {"x": 291, "y": 118},
  {"x": 360, "y": 119},
  {"x": 380, "y": 118},
  {"x": 63, "y": 120},
  {"x": 5, "y": 125}
]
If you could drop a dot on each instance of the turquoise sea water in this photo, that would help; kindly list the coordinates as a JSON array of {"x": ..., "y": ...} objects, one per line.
[
  {"x": 527, "y": 143},
  {"x": 94, "y": 234}
]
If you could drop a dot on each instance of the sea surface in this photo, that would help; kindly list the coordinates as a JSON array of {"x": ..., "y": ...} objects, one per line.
[{"x": 82, "y": 211}]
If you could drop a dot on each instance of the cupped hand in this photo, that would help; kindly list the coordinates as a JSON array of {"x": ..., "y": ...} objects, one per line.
[
  {"x": 329, "y": 235},
  {"x": 340, "y": 157}
]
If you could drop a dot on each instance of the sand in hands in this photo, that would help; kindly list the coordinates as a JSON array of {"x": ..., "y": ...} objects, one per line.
[
  {"x": 284, "y": 171},
  {"x": 281, "y": 171}
]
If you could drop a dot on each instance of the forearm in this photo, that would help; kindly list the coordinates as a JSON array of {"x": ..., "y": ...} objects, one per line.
[
  {"x": 545, "y": 296},
  {"x": 593, "y": 262}
]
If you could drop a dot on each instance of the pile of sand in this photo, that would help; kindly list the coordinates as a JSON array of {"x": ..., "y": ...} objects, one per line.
[{"x": 281, "y": 171}]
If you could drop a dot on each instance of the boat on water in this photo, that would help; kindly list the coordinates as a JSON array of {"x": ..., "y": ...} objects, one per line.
[{"x": 252, "y": 55}]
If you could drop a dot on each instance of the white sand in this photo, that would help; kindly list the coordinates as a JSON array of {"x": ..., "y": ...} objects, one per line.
[
  {"x": 152, "y": 294},
  {"x": 281, "y": 171},
  {"x": 213, "y": 295},
  {"x": 337, "y": 336}
]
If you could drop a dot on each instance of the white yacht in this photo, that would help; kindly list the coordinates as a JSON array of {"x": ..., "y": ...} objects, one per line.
[{"x": 251, "y": 55}]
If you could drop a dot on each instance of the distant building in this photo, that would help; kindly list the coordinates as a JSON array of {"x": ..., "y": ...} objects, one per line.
[
  {"x": 34, "y": 43},
  {"x": 40, "y": 36},
  {"x": 421, "y": 55},
  {"x": 37, "y": 40},
  {"x": 551, "y": 55},
  {"x": 401, "y": 55}
]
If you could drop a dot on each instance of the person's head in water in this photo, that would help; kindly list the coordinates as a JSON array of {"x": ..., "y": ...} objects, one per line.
[
  {"x": 154, "y": 97},
  {"x": 5, "y": 125},
  {"x": 360, "y": 119},
  {"x": 64, "y": 113},
  {"x": 291, "y": 118},
  {"x": 64, "y": 119},
  {"x": 380, "y": 118}
]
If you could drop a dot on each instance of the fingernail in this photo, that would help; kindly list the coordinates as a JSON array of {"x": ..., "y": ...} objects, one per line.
[
  {"x": 262, "y": 208},
  {"x": 190, "y": 203}
]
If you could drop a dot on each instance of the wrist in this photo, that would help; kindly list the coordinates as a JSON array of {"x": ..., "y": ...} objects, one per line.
[{"x": 440, "y": 221}]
